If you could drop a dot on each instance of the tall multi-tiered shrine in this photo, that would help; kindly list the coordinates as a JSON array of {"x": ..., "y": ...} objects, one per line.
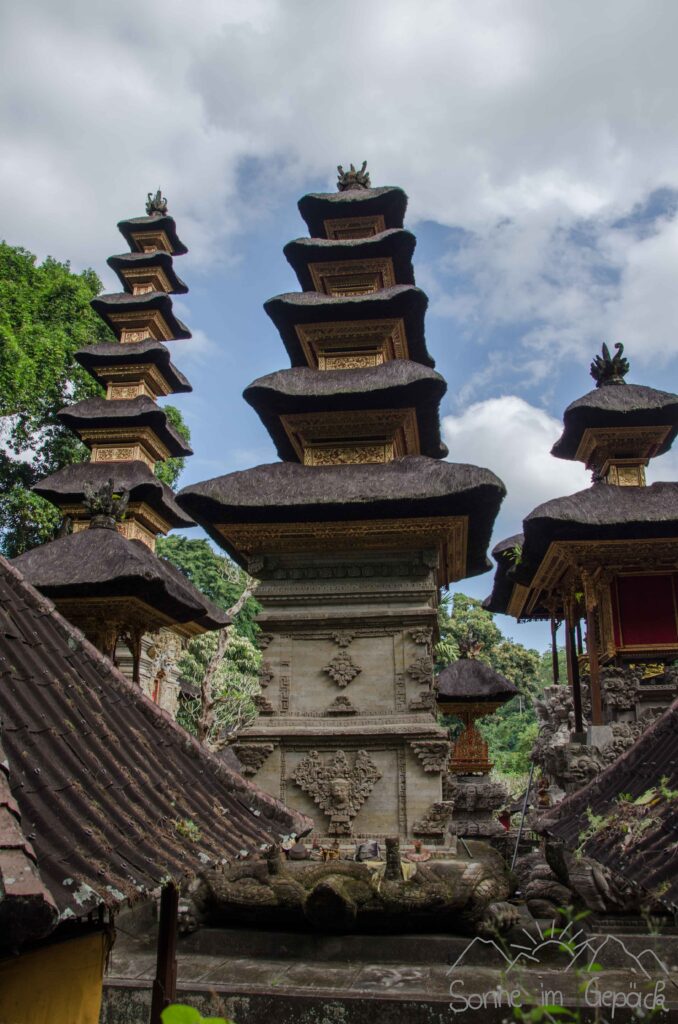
[
  {"x": 104, "y": 575},
  {"x": 354, "y": 532}
]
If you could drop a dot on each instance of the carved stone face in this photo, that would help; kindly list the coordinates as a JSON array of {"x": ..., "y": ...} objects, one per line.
[{"x": 339, "y": 792}]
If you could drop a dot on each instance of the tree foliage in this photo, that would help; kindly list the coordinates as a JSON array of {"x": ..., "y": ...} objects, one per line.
[
  {"x": 214, "y": 575},
  {"x": 226, "y": 703},
  {"x": 467, "y": 630},
  {"x": 45, "y": 316}
]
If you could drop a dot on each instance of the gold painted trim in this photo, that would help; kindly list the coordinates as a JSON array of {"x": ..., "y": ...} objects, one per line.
[
  {"x": 89, "y": 613},
  {"x": 339, "y": 228},
  {"x": 448, "y": 533},
  {"x": 151, "y": 241},
  {"x": 352, "y": 277},
  {"x": 348, "y": 344},
  {"x": 139, "y": 325},
  {"x": 145, "y": 375},
  {"x": 146, "y": 279},
  {"x": 334, "y": 438}
]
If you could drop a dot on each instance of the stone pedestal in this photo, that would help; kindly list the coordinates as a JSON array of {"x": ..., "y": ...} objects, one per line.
[
  {"x": 347, "y": 732},
  {"x": 475, "y": 800}
]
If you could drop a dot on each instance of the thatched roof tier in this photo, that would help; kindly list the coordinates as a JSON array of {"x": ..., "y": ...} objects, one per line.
[
  {"x": 138, "y": 353},
  {"x": 415, "y": 486},
  {"x": 67, "y": 487},
  {"x": 502, "y": 588},
  {"x": 469, "y": 681},
  {"x": 602, "y": 512},
  {"x": 388, "y": 202},
  {"x": 396, "y": 244},
  {"x": 111, "y": 306},
  {"x": 101, "y": 563},
  {"x": 622, "y": 405},
  {"x": 103, "y": 797},
  {"x": 403, "y": 302},
  {"x": 398, "y": 384},
  {"x": 95, "y": 413},
  {"x": 135, "y": 261},
  {"x": 136, "y": 226},
  {"x": 648, "y": 769}
]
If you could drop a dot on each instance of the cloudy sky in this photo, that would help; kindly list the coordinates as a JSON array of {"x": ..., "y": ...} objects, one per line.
[{"x": 537, "y": 141}]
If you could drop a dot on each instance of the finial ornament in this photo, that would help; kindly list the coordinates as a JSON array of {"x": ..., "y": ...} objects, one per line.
[
  {"x": 608, "y": 369},
  {"x": 156, "y": 205},
  {"x": 105, "y": 505},
  {"x": 352, "y": 178}
]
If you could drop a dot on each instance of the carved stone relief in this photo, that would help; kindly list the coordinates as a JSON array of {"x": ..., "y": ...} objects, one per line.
[
  {"x": 421, "y": 670},
  {"x": 433, "y": 754},
  {"x": 341, "y": 706},
  {"x": 266, "y": 673},
  {"x": 337, "y": 788},
  {"x": 434, "y": 823},
  {"x": 263, "y": 706},
  {"x": 342, "y": 669},
  {"x": 252, "y": 755}
]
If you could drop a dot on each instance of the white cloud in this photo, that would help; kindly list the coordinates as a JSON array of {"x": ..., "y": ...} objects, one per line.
[
  {"x": 518, "y": 123},
  {"x": 514, "y": 439}
]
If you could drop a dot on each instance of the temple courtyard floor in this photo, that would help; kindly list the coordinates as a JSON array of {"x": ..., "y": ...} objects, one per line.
[{"x": 254, "y": 976}]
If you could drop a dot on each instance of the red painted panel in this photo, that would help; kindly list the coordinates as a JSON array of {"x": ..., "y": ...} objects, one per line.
[{"x": 645, "y": 611}]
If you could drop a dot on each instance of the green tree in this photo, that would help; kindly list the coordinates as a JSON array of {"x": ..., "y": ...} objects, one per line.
[
  {"x": 45, "y": 316},
  {"x": 467, "y": 630},
  {"x": 214, "y": 575}
]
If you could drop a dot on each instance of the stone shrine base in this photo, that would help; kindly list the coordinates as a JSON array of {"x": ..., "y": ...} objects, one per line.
[{"x": 256, "y": 977}]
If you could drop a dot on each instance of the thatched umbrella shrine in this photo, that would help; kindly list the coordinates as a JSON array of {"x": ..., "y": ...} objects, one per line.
[
  {"x": 104, "y": 576},
  {"x": 469, "y": 689},
  {"x": 608, "y": 556},
  {"x": 353, "y": 533}
]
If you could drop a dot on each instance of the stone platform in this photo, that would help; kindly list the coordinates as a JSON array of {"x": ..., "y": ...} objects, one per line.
[{"x": 299, "y": 978}]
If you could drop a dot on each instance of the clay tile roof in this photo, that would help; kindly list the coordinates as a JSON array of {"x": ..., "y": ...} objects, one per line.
[
  {"x": 395, "y": 244},
  {"x": 397, "y": 384},
  {"x": 649, "y": 861},
  {"x": 468, "y": 679},
  {"x": 621, "y": 405},
  {"x": 109, "y": 796},
  {"x": 402, "y": 302},
  {"x": 101, "y": 563},
  {"x": 389, "y": 201}
]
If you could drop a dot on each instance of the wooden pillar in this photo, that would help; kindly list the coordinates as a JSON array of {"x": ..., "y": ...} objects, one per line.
[
  {"x": 554, "y": 650},
  {"x": 591, "y": 599},
  {"x": 580, "y": 644},
  {"x": 165, "y": 982},
  {"x": 573, "y": 672},
  {"x": 594, "y": 667}
]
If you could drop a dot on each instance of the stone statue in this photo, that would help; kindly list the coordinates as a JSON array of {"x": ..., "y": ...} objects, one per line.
[
  {"x": 105, "y": 505},
  {"x": 156, "y": 205},
  {"x": 464, "y": 894},
  {"x": 610, "y": 369},
  {"x": 352, "y": 178},
  {"x": 339, "y": 790}
]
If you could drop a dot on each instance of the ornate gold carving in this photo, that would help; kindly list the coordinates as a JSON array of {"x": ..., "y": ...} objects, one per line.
[
  {"x": 151, "y": 241},
  {"x": 433, "y": 754},
  {"x": 337, "y": 788},
  {"x": 126, "y": 442},
  {"x": 626, "y": 473},
  {"x": 146, "y": 279},
  {"x": 123, "y": 613},
  {"x": 352, "y": 277},
  {"x": 601, "y": 447},
  {"x": 116, "y": 392},
  {"x": 354, "y": 227},
  {"x": 448, "y": 534},
  {"x": 133, "y": 530},
  {"x": 349, "y": 344},
  {"x": 137, "y": 325},
  {"x": 144, "y": 375},
  {"x": 336, "y": 438}
]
